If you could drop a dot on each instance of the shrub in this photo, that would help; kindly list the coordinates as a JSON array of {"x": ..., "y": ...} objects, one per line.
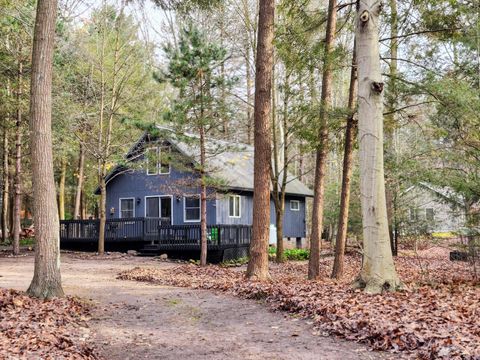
[
  {"x": 296, "y": 254},
  {"x": 290, "y": 254}
]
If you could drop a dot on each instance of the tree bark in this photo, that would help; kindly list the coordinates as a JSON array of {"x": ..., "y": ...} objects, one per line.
[
  {"x": 350, "y": 134},
  {"x": 391, "y": 188},
  {"x": 78, "y": 192},
  {"x": 279, "y": 219},
  {"x": 203, "y": 200},
  {"x": 248, "y": 74},
  {"x": 17, "y": 183},
  {"x": 258, "y": 265},
  {"x": 322, "y": 149},
  {"x": 378, "y": 270},
  {"x": 46, "y": 282},
  {"x": 61, "y": 190},
  {"x": 249, "y": 95},
  {"x": 6, "y": 184},
  {"x": 102, "y": 209},
  {"x": 280, "y": 165}
]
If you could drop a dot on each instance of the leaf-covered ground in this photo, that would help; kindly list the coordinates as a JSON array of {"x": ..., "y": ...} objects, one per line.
[
  {"x": 36, "y": 329},
  {"x": 438, "y": 316}
]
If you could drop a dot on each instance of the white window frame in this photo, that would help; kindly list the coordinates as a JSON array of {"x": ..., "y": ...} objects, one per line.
[
  {"x": 239, "y": 206},
  {"x": 185, "y": 212},
  {"x": 295, "y": 202},
  {"x": 120, "y": 206},
  {"x": 159, "y": 205},
  {"x": 159, "y": 162},
  {"x": 158, "y": 154},
  {"x": 148, "y": 160},
  {"x": 145, "y": 206}
]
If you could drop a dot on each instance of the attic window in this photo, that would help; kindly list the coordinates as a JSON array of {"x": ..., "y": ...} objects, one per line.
[{"x": 157, "y": 160}]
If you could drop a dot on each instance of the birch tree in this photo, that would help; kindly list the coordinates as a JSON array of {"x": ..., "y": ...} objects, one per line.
[{"x": 378, "y": 270}]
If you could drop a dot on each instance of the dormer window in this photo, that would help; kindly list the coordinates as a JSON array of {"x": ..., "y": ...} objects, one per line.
[{"x": 157, "y": 160}]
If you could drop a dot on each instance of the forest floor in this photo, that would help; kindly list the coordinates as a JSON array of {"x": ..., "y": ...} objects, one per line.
[
  {"x": 434, "y": 316},
  {"x": 138, "y": 320}
]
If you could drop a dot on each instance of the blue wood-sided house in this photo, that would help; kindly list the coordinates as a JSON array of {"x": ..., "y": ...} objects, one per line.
[{"x": 160, "y": 183}]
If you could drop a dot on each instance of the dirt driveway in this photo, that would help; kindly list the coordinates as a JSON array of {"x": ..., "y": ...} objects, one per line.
[{"x": 134, "y": 320}]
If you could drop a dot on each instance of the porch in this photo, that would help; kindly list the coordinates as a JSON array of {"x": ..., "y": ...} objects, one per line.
[{"x": 153, "y": 236}]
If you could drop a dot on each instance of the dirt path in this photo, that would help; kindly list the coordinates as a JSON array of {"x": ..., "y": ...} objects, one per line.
[{"x": 140, "y": 321}]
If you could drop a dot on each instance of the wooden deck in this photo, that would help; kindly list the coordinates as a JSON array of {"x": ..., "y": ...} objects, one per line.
[{"x": 152, "y": 236}]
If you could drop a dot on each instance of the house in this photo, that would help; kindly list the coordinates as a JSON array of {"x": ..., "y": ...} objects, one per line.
[
  {"x": 160, "y": 183},
  {"x": 432, "y": 209}
]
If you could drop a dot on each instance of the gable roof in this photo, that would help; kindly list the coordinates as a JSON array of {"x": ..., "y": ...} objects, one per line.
[
  {"x": 231, "y": 162},
  {"x": 445, "y": 194}
]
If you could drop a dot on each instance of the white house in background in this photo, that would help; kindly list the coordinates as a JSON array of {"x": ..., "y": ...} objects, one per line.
[{"x": 432, "y": 209}]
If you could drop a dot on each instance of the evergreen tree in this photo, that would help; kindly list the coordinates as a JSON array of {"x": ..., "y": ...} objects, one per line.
[{"x": 194, "y": 70}]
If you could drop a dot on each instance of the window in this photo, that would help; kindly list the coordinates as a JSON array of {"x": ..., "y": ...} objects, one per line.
[
  {"x": 429, "y": 214},
  {"x": 127, "y": 208},
  {"x": 163, "y": 163},
  {"x": 191, "y": 209},
  {"x": 414, "y": 214},
  {"x": 157, "y": 160},
  {"x": 152, "y": 160},
  {"x": 152, "y": 207},
  {"x": 295, "y": 205},
  {"x": 234, "y": 206}
]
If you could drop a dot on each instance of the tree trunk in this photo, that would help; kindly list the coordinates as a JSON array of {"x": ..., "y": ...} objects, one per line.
[
  {"x": 17, "y": 184},
  {"x": 249, "y": 96},
  {"x": 102, "y": 209},
  {"x": 5, "y": 183},
  {"x": 46, "y": 282},
  {"x": 391, "y": 187},
  {"x": 78, "y": 192},
  {"x": 258, "y": 265},
  {"x": 350, "y": 133},
  {"x": 83, "y": 206},
  {"x": 203, "y": 201},
  {"x": 322, "y": 149},
  {"x": 378, "y": 270},
  {"x": 279, "y": 219},
  {"x": 61, "y": 190}
]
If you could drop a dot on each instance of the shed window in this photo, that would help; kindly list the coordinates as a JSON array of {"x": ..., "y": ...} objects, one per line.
[
  {"x": 429, "y": 214},
  {"x": 127, "y": 208},
  {"x": 295, "y": 205},
  {"x": 157, "y": 160},
  {"x": 234, "y": 206},
  {"x": 191, "y": 208}
]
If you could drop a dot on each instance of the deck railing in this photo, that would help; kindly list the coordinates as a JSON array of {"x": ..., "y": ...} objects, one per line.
[{"x": 154, "y": 231}]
